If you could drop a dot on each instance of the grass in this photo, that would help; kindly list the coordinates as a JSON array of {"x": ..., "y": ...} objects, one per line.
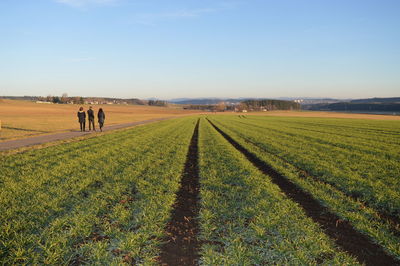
[
  {"x": 245, "y": 218},
  {"x": 335, "y": 169},
  {"x": 99, "y": 202},
  {"x": 366, "y": 169},
  {"x": 107, "y": 199}
]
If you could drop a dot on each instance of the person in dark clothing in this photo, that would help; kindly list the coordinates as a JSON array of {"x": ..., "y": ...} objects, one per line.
[
  {"x": 101, "y": 116},
  {"x": 82, "y": 118},
  {"x": 91, "y": 118}
]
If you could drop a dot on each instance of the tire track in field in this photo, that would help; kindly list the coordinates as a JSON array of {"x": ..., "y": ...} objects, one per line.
[
  {"x": 384, "y": 215},
  {"x": 182, "y": 245},
  {"x": 344, "y": 235}
]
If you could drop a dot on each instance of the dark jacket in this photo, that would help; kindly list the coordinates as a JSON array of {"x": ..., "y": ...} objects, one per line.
[
  {"x": 81, "y": 116},
  {"x": 101, "y": 116},
  {"x": 90, "y": 114}
]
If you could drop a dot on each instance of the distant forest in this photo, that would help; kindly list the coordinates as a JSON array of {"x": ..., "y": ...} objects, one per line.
[
  {"x": 378, "y": 100},
  {"x": 363, "y": 105},
  {"x": 350, "y": 106},
  {"x": 247, "y": 105},
  {"x": 270, "y": 105}
]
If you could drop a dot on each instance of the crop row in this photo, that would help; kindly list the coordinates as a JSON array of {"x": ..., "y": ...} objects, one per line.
[
  {"x": 358, "y": 130},
  {"x": 115, "y": 199},
  {"x": 105, "y": 202},
  {"x": 372, "y": 147},
  {"x": 245, "y": 218},
  {"x": 371, "y": 177},
  {"x": 309, "y": 168}
]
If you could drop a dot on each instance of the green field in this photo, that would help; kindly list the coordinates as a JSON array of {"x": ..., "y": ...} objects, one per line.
[{"x": 271, "y": 190}]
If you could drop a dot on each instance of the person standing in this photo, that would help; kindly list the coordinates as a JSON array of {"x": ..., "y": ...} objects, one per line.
[
  {"x": 91, "y": 118},
  {"x": 82, "y": 118},
  {"x": 101, "y": 117}
]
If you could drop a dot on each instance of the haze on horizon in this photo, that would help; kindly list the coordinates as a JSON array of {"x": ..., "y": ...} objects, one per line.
[{"x": 210, "y": 48}]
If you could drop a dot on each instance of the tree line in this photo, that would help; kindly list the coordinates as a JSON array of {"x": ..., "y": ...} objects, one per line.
[
  {"x": 248, "y": 105},
  {"x": 270, "y": 105},
  {"x": 348, "y": 106}
]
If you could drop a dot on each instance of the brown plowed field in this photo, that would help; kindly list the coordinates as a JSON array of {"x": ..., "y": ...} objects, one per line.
[{"x": 20, "y": 119}]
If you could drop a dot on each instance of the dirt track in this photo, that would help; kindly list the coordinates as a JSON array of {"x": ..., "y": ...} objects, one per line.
[
  {"x": 181, "y": 244},
  {"x": 20, "y": 143}
]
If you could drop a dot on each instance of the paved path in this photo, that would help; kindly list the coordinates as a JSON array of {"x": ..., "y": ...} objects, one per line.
[{"x": 19, "y": 143}]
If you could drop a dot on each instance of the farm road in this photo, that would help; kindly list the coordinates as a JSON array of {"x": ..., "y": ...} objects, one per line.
[{"x": 20, "y": 143}]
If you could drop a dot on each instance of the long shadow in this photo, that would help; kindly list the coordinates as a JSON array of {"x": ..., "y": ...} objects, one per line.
[
  {"x": 342, "y": 232},
  {"x": 181, "y": 243}
]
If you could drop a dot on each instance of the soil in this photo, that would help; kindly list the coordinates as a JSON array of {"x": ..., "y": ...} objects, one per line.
[
  {"x": 342, "y": 232},
  {"x": 181, "y": 243}
]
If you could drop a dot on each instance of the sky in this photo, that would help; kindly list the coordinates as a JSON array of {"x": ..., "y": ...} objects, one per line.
[{"x": 200, "y": 48}]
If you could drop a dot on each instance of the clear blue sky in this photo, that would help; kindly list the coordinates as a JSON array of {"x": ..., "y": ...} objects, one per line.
[{"x": 203, "y": 48}]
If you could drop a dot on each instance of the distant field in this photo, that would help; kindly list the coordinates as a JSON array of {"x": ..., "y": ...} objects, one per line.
[
  {"x": 23, "y": 118},
  {"x": 227, "y": 190}
]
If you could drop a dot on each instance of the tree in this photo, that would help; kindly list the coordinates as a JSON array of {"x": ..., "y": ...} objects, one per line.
[
  {"x": 76, "y": 100},
  {"x": 241, "y": 106},
  {"x": 221, "y": 107},
  {"x": 157, "y": 103},
  {"x": 64, "y": 98},
  {"x": 56, "y": 99}
]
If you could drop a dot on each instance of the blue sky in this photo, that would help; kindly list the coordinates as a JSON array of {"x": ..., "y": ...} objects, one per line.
[{"x": 227, "y": 48}]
